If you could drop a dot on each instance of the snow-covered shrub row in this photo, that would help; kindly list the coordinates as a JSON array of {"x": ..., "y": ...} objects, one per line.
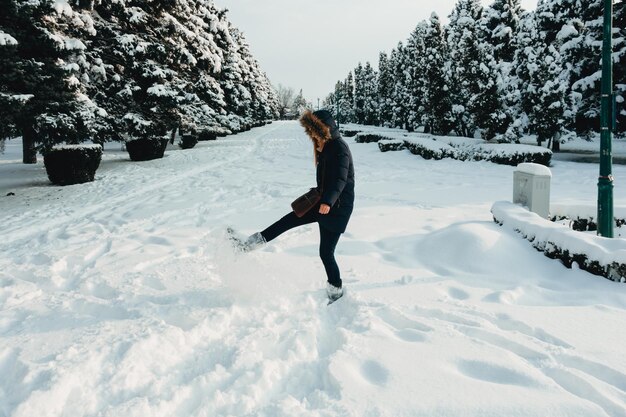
[
  {"x": 349, "y": 133},
  {"x": 126, "y": 70},
  {"x": 510, "y": 154},
  {"x": 495, "y": 70},
  {"x": 430, "y": 148},
  {"x": 583, "y": 217},
  {"x": 595, "y": 254},
  {"x": 367, "y": 137},
  {"x": 464, "y": 149},
  {"x": 387, "y": 145}
]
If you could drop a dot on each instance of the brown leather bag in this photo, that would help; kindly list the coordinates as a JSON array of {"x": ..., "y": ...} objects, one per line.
[{"x": 303, "y": 204}]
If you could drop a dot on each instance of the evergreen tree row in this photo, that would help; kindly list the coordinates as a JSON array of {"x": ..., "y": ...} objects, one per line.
[
  {"x": 498, "y": 72},
  {"x": 76, "y": 70}
]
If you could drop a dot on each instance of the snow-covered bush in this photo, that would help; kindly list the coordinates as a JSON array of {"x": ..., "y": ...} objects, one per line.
[
  {"x": 368, "y": 137},
  {"x": 595, "y": 254},
  {"x": 188, "y": 141},
  {"x": 583, "y": 217},
  {"x": 146, "y": 149},
  {"x": 387, "y": 145},
  {"x": 206, "y": 135},
  {"x": 349, "y": 133},
  {"x": 464, "y": 149},
  {"x": 511, "y": 154},
  {"x": 72, "y": 164},
  {"x": 430, "y": 148}
]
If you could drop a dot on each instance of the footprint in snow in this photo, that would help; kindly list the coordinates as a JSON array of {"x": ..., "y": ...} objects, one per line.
[
  {"x": 403, "y": 327},
  {"x": 458, "y": 294},
  {"x": 374, "y": 373},
  {"x": 494, "y": 373}
]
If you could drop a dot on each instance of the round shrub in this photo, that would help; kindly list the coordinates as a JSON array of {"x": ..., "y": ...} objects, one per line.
[
  {"x": 188, "y": 141},
  {"x": 207, "y": 135},
  {"x": 146, "y": 149},
  {"x": 72, "y": 164}
]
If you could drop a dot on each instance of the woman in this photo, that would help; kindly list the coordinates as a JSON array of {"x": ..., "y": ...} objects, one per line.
[{"x": 335, "y": 178}]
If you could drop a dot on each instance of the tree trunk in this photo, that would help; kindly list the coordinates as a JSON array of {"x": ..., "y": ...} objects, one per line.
[
  {"x": 28, "y": 146},
  {"x": 556, "y": 142},
  {"x": 173, "y": 135}
]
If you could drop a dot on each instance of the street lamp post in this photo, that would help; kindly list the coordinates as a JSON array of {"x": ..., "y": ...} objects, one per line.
[{"x": 605, "y": 181}]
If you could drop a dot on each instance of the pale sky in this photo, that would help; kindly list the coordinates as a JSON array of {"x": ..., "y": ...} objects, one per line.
[{"x": 310, "y": 44}]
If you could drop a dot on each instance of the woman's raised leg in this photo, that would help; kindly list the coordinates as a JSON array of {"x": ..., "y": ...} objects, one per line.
[{"x": 288, "y": 222}]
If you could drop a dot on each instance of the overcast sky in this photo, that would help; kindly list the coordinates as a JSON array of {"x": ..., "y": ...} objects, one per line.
[{"x": 310, "y": 44}]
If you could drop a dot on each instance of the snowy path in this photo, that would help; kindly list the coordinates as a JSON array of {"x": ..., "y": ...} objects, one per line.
[{"x": 122, "y": 298}]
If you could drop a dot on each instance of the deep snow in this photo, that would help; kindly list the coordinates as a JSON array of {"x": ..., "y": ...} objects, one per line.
[{"x": 122, "y": 297}]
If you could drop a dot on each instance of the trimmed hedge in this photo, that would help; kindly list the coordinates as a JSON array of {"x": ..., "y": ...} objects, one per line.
[
  {"x": 207, "y": 135},
  {"x": 431, "y": 149},
  {"x": 387, "y": 145},
  {"x": 72, "y": 164},
  {"x": 499, "y": 154},
  {"x": 188, "y": 141},
  {"x": 596, "y": 255},
  {"x": 464, "y": 149},
  {"x": 146, "y": 149},
  {"x": 368, "y": 137},
  {"x": 582, "y": 218},
  {"x": 349, "y": 133}
]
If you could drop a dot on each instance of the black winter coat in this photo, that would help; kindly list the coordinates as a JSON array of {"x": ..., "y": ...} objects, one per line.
[{"x": 335, "y": 177}]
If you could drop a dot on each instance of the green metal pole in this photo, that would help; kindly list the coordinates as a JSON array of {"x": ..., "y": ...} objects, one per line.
[{"x": 605, "y": 181}]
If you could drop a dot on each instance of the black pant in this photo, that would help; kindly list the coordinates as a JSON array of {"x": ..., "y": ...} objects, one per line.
[{"x": 328, "y": 240}]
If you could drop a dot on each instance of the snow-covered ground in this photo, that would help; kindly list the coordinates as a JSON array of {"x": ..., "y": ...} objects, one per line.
[{"x": 122, "y": 297}]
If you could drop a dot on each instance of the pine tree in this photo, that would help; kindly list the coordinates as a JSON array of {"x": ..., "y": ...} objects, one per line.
[
  {"x": 40, "y": 89},
  {"x": 501, "y": 25},
  {"x": 415, "y": 56},
  {"x": 488, "y": 106},
  {"x": 401, "y": 89},
  {"x": 546, "y": 96},
  {"x": 359, "y": 94},
  {"x": 466, "y": 57},
  {"x": 523, "y": 66},
  {"x": 370, "y": 90},
  {"x": 549, "y": 117},
  {"x": 501, "y": 22},
  {"x": 620, "y": 66},
  {"x": 178, "y": 63},
  {"x": 8, "y": 100},
  {"x": 385, "y": 90},
  {"x": 581, "y": 38},
  {"x": 436, "y": 106},
  {"x": 346, "y": 100},
  {"x": 330, "y": 101}
]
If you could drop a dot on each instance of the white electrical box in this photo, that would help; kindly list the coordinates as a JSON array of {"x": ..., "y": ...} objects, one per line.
[{"x": 531, "y": 188}]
